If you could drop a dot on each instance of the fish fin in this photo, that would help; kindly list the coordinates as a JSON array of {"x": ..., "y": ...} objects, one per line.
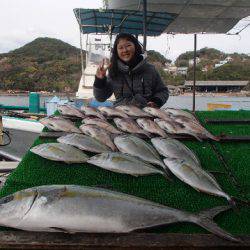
[
  {"x": 62, "y": 230},
  {"x": 205, "y": 220}
]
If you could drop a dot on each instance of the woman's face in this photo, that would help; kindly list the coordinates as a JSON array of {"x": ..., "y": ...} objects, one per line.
[{"x": 125, "y": 49}]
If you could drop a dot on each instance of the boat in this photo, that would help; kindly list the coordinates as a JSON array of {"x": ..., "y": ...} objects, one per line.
[{"x": 154, "y": 188}]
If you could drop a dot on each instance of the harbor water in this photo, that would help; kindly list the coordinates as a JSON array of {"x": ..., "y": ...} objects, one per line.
[{"x": 181, "y": 102}]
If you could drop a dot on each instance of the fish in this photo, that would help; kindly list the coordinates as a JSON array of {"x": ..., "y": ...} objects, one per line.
[
  {"x": 84, "y": 142},
  {"x": 150, "y": 126},
  {"x": 60, "y": 152},
  {"x": 135, "y": 146},
  {"x": 133, "y": 111},
  {"x": 72, "y": 208},
  {"x": 124, "y": 164},
  {"x": 57, "y": 123},
  {"x": 102, "y": 124},
  {"x": 156, "y": 112},
  {"x": 196, "y": 177},
  {"x": 112, "y": 112},
  {"x": 173, "y": 127},
  {"x": 174, "y": 149},
  {"x": 99, "y": 134},
  {"x": 181, "y": 112},
  {"x": 91, "y": 111},
  {"x": 199, "y": 131},
  {"x": 130, "y": 126},
  {"x": 69, "y": 110}
]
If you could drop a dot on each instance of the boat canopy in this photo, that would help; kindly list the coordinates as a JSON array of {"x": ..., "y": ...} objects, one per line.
[
  {"x": 194, "y": 16},
  {"x": 116, "y": 21}
]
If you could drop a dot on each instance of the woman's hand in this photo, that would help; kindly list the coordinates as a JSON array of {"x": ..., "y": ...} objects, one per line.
[{"x": 102, "y": 69}]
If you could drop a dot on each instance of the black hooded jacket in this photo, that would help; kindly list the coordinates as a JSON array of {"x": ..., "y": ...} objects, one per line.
[{"x": 136, "y": 86}]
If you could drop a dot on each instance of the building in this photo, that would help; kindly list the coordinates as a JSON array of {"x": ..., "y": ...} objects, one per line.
[
  {"x": 182, "y": 70},
  {"x": 191, "y": 61},
  {"x": 216, "y": 86}
]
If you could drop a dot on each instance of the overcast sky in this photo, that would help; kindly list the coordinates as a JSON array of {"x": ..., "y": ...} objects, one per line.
[{"x": 21, "y": 21}]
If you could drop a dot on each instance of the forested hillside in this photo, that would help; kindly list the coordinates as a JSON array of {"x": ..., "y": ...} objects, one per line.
[
  {"x": 44, "y": 64},
  {"x": 48, "y": 64}
]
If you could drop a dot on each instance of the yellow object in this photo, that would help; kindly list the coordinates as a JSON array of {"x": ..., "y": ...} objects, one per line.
[{"x": 218, "y": 106}]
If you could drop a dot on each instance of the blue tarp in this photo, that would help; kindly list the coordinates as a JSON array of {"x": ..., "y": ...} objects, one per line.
[{"x": 128, "y": 21}]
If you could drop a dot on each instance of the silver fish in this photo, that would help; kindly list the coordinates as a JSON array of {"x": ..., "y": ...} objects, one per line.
[
  {"x": 57, "y": 123},
  {"x": 133, "y": 111},
  {"x": 130, "y": 126},
  {"x": 91, "y": 111},
  {"x": 69, "y": 110},
  {"x": 156, "y": 112},
  {"x": 112, "y": 112},
  {"x": 102, "y": 124},
  {"x": 99, "y": 134},
  {"x": 135, "y": 146},
  {"x": 70, "y": 208},
  {"x": 84, "y": 142},
  {"x": 60, "y": 152},
  {"x": 172, "y": 148},
  {"x": 173, "y": 127},
  {"x": 193, "y": 175},
  {"x": 176, "y": 112},
  {"x": 124, "y": 164},
  {"x": 150, "y": 126},
  {"x": 199, "y": 131}
]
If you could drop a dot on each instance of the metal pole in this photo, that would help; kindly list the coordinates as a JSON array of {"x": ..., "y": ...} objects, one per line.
[
  {"x": 81, "y": 50},
  {"x": 1, "y": 130},
  {"x": 144, "y": 24},
  {"x": 194, "y": 67}
]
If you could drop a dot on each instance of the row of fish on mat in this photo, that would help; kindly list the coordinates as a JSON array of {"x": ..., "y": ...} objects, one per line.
[
  {"x": 130, "y": 119},
  {"x": 135, "y": 157},
  {"x": 70, "y": 208}
]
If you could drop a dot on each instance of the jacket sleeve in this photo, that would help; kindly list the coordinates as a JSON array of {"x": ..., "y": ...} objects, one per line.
[
  {"x": 160, "y": 91},
  {"x": 102, "y": 89}
]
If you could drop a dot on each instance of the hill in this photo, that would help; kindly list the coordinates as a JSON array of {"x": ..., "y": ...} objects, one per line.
[
  {"x": 43, "y": 64},
  {"x": 48, "y": 64}
]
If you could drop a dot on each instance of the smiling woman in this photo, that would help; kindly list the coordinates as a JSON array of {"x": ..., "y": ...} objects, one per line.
[{"x": 131, "y": 78}]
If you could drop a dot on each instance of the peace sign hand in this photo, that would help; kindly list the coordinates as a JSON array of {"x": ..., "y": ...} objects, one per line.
[{"x": 103, "y": 67}]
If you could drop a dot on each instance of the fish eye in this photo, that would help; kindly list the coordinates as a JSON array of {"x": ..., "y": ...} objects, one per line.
[{"x": 6, "y": 199}]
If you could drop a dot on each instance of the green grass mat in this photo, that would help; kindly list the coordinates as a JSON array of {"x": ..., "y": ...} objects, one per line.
[{"x": 34, "y": 171}]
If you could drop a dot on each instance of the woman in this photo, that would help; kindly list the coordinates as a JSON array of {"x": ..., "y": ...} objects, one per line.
[{"x": 131, "y": 78}]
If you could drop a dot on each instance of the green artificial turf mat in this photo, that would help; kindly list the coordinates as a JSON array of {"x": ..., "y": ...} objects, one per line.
[{"x": 34, "y": 171}]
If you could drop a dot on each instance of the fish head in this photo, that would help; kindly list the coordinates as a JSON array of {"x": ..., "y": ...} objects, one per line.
[
  {"x": 87, "y": 120},
  {"x": 62, "y": 109},
  {"x": 15, "y": 206},
  {"x": 98, "y": 159},
  {"x": 117, "y": 121}
]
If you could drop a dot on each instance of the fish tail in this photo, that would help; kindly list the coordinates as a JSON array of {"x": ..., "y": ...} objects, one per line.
[
  {"x": 197, "y": 137},
  {"x": 205, "y": 220},
  {"x": 211, "y": 136}
]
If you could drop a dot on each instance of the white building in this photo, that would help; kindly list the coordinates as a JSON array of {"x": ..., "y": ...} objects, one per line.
[{"x": 191, "y": 61}]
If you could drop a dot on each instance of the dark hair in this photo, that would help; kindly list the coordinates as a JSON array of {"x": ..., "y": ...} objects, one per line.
[{"x": 113, "y": 71}]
